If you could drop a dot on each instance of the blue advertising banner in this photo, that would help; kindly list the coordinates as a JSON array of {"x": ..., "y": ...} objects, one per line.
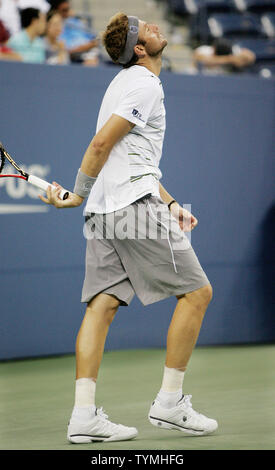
[{"x": 218, "y": 157}]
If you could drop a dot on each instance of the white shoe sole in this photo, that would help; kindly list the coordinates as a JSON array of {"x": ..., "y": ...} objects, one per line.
[
  {"x": 163, "y": 424},
  {"x": 87, "y": 439}
]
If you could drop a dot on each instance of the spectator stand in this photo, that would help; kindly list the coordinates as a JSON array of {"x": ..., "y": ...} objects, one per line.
[
  {"x": 247, "y": 23},
  {"x": 78, "y": 31}
]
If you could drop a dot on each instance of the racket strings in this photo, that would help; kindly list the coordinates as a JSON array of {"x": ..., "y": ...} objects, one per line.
[
  {"x": 2, "y": 160},
  {"x": 4, "y": 155}
]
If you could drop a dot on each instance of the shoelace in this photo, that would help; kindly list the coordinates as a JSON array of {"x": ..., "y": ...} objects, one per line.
[
  {"x": 100, "y": 412},
  {"x": 186, "y": 401},
  {"x": 104, "y": 419}
]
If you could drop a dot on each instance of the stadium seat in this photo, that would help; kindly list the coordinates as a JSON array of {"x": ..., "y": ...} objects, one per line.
[
  {"x": 255, "y": 6},
  {"x": 210, "y": 6},
  {"x": 177, "y": 7},
  {"x": 264, "y": 49},
  {"x": 194, "y": 7},
  {"x": 268, "y": 23},
  {"x": 200, "y": 10},
  {"x": 235, "y": 24},
  {"x": 264, "y": 69}
]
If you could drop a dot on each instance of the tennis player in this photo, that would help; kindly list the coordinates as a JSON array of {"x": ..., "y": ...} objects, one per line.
[{"x": 119, "y": 176}]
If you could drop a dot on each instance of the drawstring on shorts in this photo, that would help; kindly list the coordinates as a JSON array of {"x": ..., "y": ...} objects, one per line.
[{"x": 167, "y": 231}]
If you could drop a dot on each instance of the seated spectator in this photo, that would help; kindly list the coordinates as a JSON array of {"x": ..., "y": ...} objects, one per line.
[
  {"x": 5, "y": 52},
  {"x": 81, "y": 43},
  {"x": 28, "y": 42},
  {"x": 10, "y": 12},
  {"x": 56, "y": 52},
  {"x": 222, "y": 57}
]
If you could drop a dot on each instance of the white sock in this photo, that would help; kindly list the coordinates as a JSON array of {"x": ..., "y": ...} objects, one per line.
[
  {"x": 169, "y": 399},
  {"x": 172, "y": 379},
  {"x": 83, "y": 413},
  {"x": 171, "y": 387},
  {"x": 84, "y": 406},
  {"x": 85, "y": 392}
]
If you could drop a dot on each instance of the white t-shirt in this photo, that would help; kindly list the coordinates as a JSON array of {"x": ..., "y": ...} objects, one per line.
[
  {"x": 41, "y": 5},
  {"x": 9, "y": 14},
  {"x": 132, "y": 169}
]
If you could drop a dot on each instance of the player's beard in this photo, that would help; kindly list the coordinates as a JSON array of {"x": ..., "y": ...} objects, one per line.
[{"x": 158, "y": 52}]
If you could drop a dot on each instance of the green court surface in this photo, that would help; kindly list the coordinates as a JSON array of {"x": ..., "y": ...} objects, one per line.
[{"x": 234, "y": 384}]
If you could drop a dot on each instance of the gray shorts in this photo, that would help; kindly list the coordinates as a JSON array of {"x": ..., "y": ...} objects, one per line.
[{"x": 140, "y": 250}]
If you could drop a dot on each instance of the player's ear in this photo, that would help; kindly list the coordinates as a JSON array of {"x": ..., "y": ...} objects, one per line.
[{"x": 139, "y": 50}]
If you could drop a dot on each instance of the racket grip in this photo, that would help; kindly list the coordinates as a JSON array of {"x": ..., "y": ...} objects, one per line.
[{"x": 42, "y": 184}]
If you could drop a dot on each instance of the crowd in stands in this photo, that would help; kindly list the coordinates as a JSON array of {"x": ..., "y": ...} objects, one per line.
[
  {"x": 40, "y": 31},
  {"x": 222, "y": 57},
  {"x": 225, "y": 36}
]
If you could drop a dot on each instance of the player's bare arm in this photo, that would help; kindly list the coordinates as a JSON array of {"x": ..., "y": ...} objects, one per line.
[
  {"x": 186, "y": 220},
  {"x": 94, "y": 158},
  {"x": 101, "y": 145}
]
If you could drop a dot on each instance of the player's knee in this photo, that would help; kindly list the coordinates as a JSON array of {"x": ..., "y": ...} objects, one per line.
[
  {"x": 104, "y": 307},
  {"x": 207, "y": 293},
  {"x": 109, "y": 313},
  {"x": 201, "y": 297},
  {"x": 104, "y": 316},
  {"x": 109, "y": 310}
]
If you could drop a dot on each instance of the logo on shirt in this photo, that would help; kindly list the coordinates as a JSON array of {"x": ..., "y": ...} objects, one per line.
[{"x": 137, "y": 114}]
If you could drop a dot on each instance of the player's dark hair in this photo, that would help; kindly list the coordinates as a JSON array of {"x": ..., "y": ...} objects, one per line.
[{"x": 28, "y": 15}]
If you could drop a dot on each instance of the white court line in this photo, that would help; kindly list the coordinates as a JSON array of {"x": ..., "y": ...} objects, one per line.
[{"x": 22, "y": 208}]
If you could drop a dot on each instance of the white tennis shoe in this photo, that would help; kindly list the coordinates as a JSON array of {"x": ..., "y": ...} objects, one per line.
[
  {"x": 182, "y": 417},
  {"x": 98, "y": 429}
]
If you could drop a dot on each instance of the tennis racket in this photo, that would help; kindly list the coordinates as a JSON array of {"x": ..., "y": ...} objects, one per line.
[{"x": 34, "y": 180}]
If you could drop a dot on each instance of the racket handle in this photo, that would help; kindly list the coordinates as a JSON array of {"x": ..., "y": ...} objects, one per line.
[{"x": 42, "y": 184}]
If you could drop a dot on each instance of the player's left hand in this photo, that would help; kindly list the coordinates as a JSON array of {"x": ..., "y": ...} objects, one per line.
[{"x": 186, "y": 220}]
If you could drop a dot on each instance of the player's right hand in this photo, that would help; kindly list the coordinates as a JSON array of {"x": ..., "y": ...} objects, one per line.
[{"x": 52, "y": 198}]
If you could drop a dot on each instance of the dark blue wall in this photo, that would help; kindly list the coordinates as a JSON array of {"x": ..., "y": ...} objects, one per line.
[{"x": 218, "y": 156}]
